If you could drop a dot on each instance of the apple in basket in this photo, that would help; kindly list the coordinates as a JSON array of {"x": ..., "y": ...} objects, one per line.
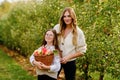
[
  {"x": 37, "y": 52},
  {"x": 44, "y": 55},
  {"x": 42, "y": 51}
]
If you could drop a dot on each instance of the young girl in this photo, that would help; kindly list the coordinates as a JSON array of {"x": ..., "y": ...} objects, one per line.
[{"x": 43, "y": 71}]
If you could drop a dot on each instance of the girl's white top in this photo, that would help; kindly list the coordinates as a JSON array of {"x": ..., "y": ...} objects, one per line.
[
  {"x": 54, "y": 67},
  {"x": 66, "y": 44}
]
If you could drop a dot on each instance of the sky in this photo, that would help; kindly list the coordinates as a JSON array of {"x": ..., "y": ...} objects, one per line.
[
  {"x": 8, "y": 0},
  {"x": 3, "y": 0},
  {"x": 16, "y": 0}
]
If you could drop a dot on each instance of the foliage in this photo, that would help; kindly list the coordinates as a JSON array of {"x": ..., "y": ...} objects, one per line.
[
  {"x": 101, "y": 24},
  {"x": 26, "y": 23}
]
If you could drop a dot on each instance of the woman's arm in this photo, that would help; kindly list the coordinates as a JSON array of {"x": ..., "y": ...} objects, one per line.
[
  {"x": 80, "y": 48},
  {"x": 65, "y": 59}
]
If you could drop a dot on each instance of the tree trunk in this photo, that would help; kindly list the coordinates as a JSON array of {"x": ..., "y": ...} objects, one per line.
[
  {"x": 85, "y": 69},
  {"x": 88, "y": 1},
  {"x": 70, "y": 1},
  {"x": 101, "y": 77},
  {"x": 101, "y": 74}
]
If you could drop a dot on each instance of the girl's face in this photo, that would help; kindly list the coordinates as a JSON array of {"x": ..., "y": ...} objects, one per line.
[
  {"x": 49, "y": 37},
  {"x": 67, "y": 18}
]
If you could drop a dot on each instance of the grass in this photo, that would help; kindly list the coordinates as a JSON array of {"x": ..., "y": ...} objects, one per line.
[
  {"x": 95, "y": 76},
  {"x": 106, "y": 76},
  {"x": 10, "y": 70}
]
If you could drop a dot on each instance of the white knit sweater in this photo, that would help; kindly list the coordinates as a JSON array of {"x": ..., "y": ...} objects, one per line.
[{"x": 66, "y": 44}]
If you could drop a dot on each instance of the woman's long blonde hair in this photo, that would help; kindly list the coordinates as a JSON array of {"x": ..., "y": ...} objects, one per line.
[{"x": 74, "y": 24}]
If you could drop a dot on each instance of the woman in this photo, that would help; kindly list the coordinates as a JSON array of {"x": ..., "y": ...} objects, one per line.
[
  {"x": 71, "y": 42},
  {"x": 50, "y": 43}
]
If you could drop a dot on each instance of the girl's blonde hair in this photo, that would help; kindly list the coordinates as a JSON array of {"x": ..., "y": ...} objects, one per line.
[{"x": 74, "y": 24}]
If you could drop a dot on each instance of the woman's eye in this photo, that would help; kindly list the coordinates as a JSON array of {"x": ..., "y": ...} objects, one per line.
[{"x": 67, "y": 16}]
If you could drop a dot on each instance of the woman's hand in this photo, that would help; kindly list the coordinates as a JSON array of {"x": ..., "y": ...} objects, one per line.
[{"x": 64, "y": 60}]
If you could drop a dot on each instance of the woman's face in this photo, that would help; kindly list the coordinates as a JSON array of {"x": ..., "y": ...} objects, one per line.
[
  {"x": 49, "y": 37},
  {"x": 67, "y": 18}
]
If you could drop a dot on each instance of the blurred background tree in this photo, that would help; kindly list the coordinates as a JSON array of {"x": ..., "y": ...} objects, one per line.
[{"x": 23, "y": 24}]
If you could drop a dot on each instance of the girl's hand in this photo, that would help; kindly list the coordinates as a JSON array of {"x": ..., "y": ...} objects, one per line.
[
  {"x": 45, "y": 67},
  {"x": 40, "y": 65},
  {"x": 37, "y": 64}
]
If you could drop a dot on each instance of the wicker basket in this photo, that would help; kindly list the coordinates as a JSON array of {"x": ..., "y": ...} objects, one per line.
[{"x": 46, "y": 59}]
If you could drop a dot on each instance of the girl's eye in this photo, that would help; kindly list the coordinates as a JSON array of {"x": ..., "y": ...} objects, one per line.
[
  {"x": 64, "y": 16},
  {"x": 49, "y": 35}
]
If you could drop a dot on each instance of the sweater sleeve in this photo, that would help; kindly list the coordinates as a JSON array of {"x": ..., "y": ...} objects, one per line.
[
  {"x": 57, "y": 28},
  {"x": 55, "y": 67},
  {"x": 82, "y": 46},
  {"x": 32, "y": 58}
]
